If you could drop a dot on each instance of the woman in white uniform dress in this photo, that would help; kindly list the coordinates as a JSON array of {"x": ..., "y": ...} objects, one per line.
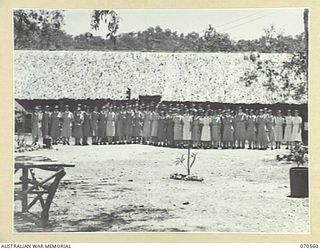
[
  {"x": 186, "y": 131},
  {"x": 278, "y": 129},
  {"x": 67, "y": 120},
  {"x": 296, "y": 127},
  {"x": 205, "y": 132},
  {"x": 288, "y": 130}
]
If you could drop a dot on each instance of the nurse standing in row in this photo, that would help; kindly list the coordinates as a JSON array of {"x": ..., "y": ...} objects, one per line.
[
  {"x": 227, "y": 137},
  {"x": 205, "y": 121},
  {"x": 36, "y": 118},
  {"x": 110, "y": 125},
  {"x": 94, "y": 125},
  {"x": 55, "y": 125},
  {"x": 288, "y": 130},
  {"x": 186, "y": 121},
  {"x": 262, "y": 130},
  {"x": 67, "y": 120},
  {"x": 270, "y": 128},
  {"x": 196, "y": 129},
  {"x": 177, "y": 130},
  {"x": 251, "y": 130},
  {"x": 146, "y": 131},
  {"x": 296, "y": 128},
  {"x": 278, "y": 129},
  {"x": 215, "y": 129}
]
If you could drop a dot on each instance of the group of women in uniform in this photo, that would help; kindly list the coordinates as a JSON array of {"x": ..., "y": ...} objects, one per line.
[{"x": 168, "y": 125}]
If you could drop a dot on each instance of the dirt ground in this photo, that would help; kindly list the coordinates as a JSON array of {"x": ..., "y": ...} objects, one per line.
[{"x": 127, "y": 188}]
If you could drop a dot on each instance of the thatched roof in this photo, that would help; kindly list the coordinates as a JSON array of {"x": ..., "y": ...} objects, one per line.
[{"x": 215, "y": 77}]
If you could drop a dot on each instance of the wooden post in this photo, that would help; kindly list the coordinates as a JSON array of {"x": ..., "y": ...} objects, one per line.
[
  {"x": 24, "y": 198},
  {"x": 52, "y": 190}
]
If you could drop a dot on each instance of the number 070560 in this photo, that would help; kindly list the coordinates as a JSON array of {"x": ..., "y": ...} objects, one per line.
[{"x": 308, "y": 245}]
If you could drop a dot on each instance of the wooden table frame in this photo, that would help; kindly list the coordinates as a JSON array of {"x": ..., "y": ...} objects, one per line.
[{"x": 30, "y": 185}]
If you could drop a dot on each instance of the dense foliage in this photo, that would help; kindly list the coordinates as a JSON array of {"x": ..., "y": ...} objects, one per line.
[
  {"x": 298, "y": 154},
  {"x": 42, "y": 30}
]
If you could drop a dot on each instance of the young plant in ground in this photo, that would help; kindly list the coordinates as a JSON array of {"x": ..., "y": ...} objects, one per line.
[{"x": 191, "y": 158}]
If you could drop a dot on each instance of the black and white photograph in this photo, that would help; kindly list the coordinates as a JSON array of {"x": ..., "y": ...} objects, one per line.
[{"x": 161, "y": 120}]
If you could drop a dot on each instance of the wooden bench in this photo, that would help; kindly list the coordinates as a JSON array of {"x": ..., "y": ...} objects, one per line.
[{"x": 30, "y": 185}]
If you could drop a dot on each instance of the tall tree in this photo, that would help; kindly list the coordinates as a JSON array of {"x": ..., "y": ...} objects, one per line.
[
  {"x": 111, "y": 20},
  {"x": 215, "y": 41},
  {"x": 34, "y": 26}
]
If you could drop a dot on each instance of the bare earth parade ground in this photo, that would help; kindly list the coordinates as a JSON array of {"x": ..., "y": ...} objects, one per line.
[{"x": 127, "y": 188}]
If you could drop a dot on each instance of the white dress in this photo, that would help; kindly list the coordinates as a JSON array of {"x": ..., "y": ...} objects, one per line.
[
  {"x": 278, "y": 128},
  {"x": 288, "y": 129},
  {"x": 186, "y": 135},
  {"x": 205, "y": 133},
  {"x": 296, "y": 123}
]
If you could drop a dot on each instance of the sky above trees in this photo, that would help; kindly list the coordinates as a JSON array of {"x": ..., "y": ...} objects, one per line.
[{"x": 238, "y": 23}]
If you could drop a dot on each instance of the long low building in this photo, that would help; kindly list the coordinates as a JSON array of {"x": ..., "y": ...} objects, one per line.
[{"x": 215, "y": 77}]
